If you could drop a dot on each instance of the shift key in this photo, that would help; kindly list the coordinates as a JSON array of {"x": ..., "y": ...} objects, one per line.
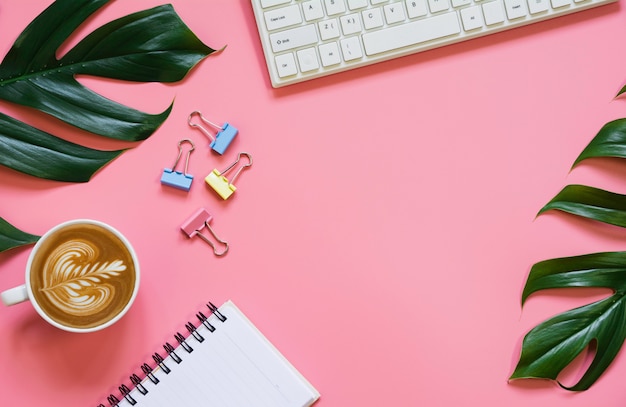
[
  {"x": 411, "y": 34},
  {"x": 293, "y": 38}
]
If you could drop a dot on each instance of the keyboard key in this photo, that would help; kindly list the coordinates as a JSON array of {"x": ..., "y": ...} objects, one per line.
[
  {"x": 515, "y": 9},
  {"x": 293, "y": 38},
  {"x": 334, "y": 7},
  {"x": 416, "y": 8},
  {"x": 350, "y": 24},
  {"x": 560, "y": 3},
  {"x": 329, "y": 29},
  {"x": 329, "y": 54},
  {"x": 356, "y": 4},
  {"x": 493, "y": 12},
  {"x": 413, "y": 33},
  {"x": 307, "y": 58},
  {"x": 286, "y": 65},
  {"x": 438, "y": 5},
  {"x": 394, "y": 13},
  {"x": 312, "y": 10},
  {"x": 538, "y": 6},
  {"x": 272, "y": 3},
  {"x": 282, "y": 17},
  {"x": 472, "y": 18},
  {"x": 460, "y": 3},
  {"x": 372, "y": 18},
  {"x": 351, "y": 48}
]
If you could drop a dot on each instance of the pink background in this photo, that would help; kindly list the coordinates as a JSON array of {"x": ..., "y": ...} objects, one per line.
[{"x": 381, "y": 239}]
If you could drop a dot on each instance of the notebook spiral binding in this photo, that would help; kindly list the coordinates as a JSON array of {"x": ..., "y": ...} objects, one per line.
[{"x": 159, "y": 360}]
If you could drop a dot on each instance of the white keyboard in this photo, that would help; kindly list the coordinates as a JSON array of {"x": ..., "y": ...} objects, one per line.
[{"x": 306, "y": 39}]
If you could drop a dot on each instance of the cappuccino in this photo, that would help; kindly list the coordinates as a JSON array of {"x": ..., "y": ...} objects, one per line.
[{"x": 83, "y": 275}]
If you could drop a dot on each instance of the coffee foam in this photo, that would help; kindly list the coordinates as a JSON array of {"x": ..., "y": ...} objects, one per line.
[{"x": 82, "y": 275}]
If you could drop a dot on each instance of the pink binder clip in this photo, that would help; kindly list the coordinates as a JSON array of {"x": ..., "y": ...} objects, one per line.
[{"x": 196, "y": 222}]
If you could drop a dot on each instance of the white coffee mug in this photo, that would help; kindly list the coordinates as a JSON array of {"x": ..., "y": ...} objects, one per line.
[{"x": 81, "y": 276}]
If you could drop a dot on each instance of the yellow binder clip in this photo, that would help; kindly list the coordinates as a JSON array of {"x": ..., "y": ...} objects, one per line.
[{"x": 220, "y": 183}]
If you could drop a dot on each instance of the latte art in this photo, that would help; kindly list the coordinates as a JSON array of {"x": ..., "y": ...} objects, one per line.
[
  {"x": 83, "y": 275},
  {"x": 76, "y": 281}
]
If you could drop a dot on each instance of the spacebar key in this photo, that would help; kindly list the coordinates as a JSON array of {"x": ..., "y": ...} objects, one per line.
[{"x": 409, "y": 34}]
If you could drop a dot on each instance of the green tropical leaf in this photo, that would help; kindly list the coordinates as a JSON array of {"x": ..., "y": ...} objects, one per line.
[
  {"x": 549, "y": 347},
  {"x": 11, "y": 237},
  {"x": 609, "y": 142},
  {"x": 37, "y": 153},
  {"x": 591, "y": 203},
  {"x": 600, "y": 326},
  {"x": 148, "y": 46}
]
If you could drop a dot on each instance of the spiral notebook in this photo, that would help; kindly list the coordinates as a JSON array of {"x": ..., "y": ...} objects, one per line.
[{"x": 224, "y": 361}]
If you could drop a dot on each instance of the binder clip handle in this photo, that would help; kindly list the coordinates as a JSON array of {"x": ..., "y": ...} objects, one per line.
[
  {"x": 196, "y": 222},
  {"x": 200, "y": 127},
  {"x": 224, "y": 134},
  {"x": 243, "y": 167},
  {"x": 180, "y": 153}
]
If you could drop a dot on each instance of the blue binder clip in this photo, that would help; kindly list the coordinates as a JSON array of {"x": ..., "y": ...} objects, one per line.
[
  {"x": 224, "y": 136},
  {"x": 177, "y": 179}
]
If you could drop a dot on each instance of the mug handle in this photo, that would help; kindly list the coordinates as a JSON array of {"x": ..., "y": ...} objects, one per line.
[{"x": 14, "y": 295}]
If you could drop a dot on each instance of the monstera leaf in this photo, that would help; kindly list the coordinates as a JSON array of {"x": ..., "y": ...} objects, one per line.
[
  {"x": 592, "y": 203},
  {"x": 551, "y": 346},
  {"x": 609, "y": 142},
  {"x": 11, "y": 237},
  {"x": 148, "y": 46}
]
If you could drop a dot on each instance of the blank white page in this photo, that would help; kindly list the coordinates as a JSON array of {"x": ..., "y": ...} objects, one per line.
[{"x": 234, "y": 366}]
